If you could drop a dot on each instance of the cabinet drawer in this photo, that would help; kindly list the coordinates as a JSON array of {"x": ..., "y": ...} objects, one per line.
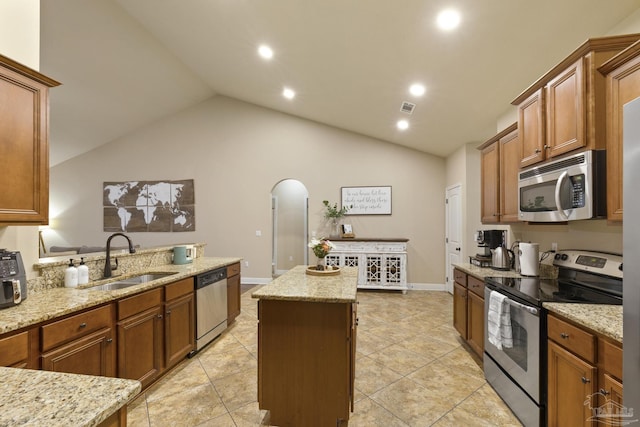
[
  {"x": 574, "y": 339},
  {"x": 476, "y": 286},
  {"x": 127, "y": 307},
  {"x": 74, "y": 327},
  {"x": 233, "y": 269},
  {"x": 14, "y": 349},
  {"x": 178, "y": 289},
  {"x": 611, "y": 358},
  {"x": 460, "y": 277}
]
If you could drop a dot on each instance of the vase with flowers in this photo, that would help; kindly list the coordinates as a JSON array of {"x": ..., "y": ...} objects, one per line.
[
  {"x": 333, "y": 214},
  {"x": 321, "y": 248}
]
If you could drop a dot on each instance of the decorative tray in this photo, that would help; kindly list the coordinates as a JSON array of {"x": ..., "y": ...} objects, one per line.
[{"x": 311, "y": 270}]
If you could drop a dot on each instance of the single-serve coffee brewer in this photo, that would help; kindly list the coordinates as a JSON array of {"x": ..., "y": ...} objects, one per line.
[{"x": 487, "y": 240}]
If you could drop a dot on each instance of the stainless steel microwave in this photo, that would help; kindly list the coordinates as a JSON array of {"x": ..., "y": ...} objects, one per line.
[{"x": 568, "y": 189}]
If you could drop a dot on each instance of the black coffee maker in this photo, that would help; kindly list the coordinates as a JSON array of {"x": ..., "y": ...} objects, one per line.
[{"x": 487, "y": 240}]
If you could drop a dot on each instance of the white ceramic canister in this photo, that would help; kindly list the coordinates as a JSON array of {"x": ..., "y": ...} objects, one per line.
[{"x": 529, "y": 259}]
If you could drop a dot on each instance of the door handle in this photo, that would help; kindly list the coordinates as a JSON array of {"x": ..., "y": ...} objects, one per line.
[
  {"x": 561, "y": 179},
  {"x": 458, "y": 249}
]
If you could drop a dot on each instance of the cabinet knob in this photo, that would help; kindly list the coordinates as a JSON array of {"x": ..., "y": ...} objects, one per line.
[
  {"x": 538, "y": 151},
  {"x": 159, "y": 316},
  {"x": 564, "y": 336},
  {"x": 83, "y": 325},
  {"x": 604, "y": 392},
  {"x": 585, "y": 380},
  {"x": 546, "y": 147},
  {"x": 109, "y": 340},
  {"x": 168, "y": 312}
]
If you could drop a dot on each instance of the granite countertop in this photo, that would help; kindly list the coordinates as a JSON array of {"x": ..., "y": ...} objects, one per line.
[
  {"x": 601, "y": 318},
  {"x": 296, "y": 285},
  {"x": 546, "y": 271},
  {"x": 51, "y": 303},
  {"x": 43, "y": 398}
]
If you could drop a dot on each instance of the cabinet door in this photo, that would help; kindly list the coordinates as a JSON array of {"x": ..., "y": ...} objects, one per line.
[
  {"x": 490, "y": 181},
  {"x": 611, "y": 391},
  {"x": 566, "y": 111},
  {"x": 20, "y": 350},
  {"x": 93, "y": 354},
  {"x": 571, "y": 381},
  {"x": 475, "y": 322},
  {"x": 233, "y": 298},
  {"x": 179, "y": 329},
  {"x": 140, "y": 346},
  {"x": 24, "y": 146},
  {"x": 509, "y": 169},
  {"x": 531, "y": 129},
  {"x": 623, "y": 85},
  {"x": 460, "y": 309}
]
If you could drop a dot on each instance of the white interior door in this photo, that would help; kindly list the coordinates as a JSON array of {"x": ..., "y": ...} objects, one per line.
[{"x": 453, "y": 236}]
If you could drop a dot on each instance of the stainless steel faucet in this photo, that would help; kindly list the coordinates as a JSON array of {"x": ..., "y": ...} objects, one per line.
[{"x": 107, "y": 263}]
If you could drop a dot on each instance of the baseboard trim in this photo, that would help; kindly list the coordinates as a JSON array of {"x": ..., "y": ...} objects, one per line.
[
  {"x": 426, "y": 286},
  {"x": 254, "y": 280}
]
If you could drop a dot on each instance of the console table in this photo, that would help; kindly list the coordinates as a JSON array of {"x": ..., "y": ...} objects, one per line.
[{"x": 383, "y": 262}]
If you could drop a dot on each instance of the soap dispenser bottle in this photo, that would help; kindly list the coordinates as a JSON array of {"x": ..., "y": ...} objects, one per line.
[
  {"x": 83, "y": 273},
  {"x": 71, "y": 275}
]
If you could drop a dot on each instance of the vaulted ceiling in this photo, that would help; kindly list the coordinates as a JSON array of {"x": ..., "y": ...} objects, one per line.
[{"x": 127, "y": 63}]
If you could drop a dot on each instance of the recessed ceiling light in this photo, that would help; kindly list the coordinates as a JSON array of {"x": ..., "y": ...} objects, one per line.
[
  {"x": 417, "y": 89},
  {"x": 265, "y": 51},
  {"x": 448, "y": 19},
  {"x": 402, "y": 124},
  {"x": 288, "y": 93}
]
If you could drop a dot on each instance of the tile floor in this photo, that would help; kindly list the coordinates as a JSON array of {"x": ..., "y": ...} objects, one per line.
[{"x": 411, "y": 370}]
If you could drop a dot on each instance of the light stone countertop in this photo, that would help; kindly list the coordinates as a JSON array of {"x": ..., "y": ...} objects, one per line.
[
  {"x": 51, "y": 303},
  {"x": 601, "y": 318},
  {"x": 52, "y": 399},
  {"x": 296, "y": 285},
  {"x": 546, "y": 271}
]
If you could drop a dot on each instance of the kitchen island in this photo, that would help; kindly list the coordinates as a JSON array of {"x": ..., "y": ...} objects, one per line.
[{"x": 306, "y": 347}]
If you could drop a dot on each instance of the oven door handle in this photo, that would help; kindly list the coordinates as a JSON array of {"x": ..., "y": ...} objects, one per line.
[{"x": 526, "y": 308}]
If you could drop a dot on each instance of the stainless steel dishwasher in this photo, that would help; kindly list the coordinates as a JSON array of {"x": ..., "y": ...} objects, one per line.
[{"x": 211, "y": 306}]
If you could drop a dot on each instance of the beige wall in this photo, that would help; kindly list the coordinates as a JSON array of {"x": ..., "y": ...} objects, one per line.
[
  {"x": 236, "y": 153},
  {"x": 20, "y": 41}
]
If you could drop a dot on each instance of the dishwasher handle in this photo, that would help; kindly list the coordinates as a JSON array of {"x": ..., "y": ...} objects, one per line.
[{"x": 210, "y": 277}]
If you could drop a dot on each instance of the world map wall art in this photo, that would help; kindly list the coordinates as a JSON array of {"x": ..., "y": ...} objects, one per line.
[{"x": 149, "y": 206}]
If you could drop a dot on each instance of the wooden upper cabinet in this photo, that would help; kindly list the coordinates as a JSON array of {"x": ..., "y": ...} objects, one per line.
[
  {"x": 531, "y": 125},
  {"x": 24, "y": 144},
  {"x": 490, "y": 203},
  {"x": 564, "y": 110},
  {"x": 623, "y": 85},
  {"x": 509, "y": 169},
  {"x": 499, "y": 176}
]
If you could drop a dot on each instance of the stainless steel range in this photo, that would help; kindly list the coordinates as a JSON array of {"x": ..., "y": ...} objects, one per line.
[{"x": 515, "y": 324}]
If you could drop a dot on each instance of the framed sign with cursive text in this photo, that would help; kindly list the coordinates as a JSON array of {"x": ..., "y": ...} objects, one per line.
[{"x": 367, "y": 200}]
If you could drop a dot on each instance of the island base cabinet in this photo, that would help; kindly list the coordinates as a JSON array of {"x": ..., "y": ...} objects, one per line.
[{"x": 305, "y": 358}]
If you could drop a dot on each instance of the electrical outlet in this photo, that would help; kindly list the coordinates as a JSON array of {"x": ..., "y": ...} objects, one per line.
[
  {"x": 554, "y": 247},
  {"x": 290, "y": 258},
  {"x": 246, "y": 263},
  {"x": 258, "y": 233}
]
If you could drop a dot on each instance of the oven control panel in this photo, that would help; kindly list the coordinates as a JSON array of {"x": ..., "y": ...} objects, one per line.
[{"x": 607, "y": 264}]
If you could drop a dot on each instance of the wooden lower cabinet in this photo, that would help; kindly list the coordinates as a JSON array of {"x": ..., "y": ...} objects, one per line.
[
  {"x": 475, "y": 322},
  {"x": 20, "y": 350},
  {"x": 93, "y": 354},
  {"x": 306, "y": 361},
  {"x": 81, "y": 344},
  {"x": 140, "y": 336},
  {"x": 233, "y": 292},
  {"x": 460, "y": 309},
  {"x": 584, "y": 376},
  {"x": 468, "y": 310},
  {"x": 571, "y": 381},
  {"x": 179, "y": 327}
]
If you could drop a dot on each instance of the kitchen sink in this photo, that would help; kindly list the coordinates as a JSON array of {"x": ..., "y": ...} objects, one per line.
[{"x": 130, "y": 281}]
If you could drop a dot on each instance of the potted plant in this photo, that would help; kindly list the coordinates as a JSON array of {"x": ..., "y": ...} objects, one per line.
[{"x": 333, "y": 214}]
